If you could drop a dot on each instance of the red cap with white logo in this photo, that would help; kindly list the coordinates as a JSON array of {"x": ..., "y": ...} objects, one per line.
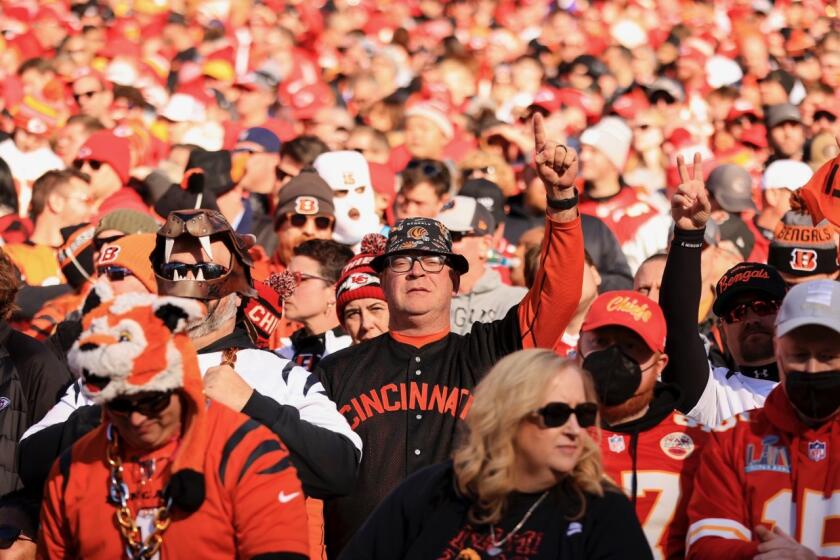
[{"x": 632, "y": 310}]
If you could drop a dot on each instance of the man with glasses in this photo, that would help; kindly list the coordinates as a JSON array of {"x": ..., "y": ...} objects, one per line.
[
  {"x": 425, "y": 186},
  {"x": 747, "y": 298},
  {"x": 482, "y": 296},
  {"x": 316, "y": 267},
  {"x": 93, "y": 95},
  {"x": 405, "y": 392},
  {"x": 106, "y": 159}
]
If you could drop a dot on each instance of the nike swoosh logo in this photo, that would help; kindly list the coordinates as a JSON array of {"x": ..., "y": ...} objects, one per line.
[{"x": 286, "y": 498}]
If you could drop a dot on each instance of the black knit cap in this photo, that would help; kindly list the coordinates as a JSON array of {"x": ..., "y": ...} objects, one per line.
[{"x": 423, "y": 235}]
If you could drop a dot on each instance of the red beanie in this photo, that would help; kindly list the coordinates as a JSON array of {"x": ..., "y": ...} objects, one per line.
[
  {"x": 358, "y": 279},
  {"x": 107, "y": 147}
]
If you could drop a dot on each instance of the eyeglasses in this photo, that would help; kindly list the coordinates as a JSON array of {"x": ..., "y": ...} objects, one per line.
[
  {"x": 301, "y": 277},
  {"x": 300, "y": 220},
  {"x": 760, "y": 307},
  {"x": 84, "y": 95},
  {"x": 556, "y": 414},
  {"x": 404, "y": 263},
  {"x": 147, "y": 406},
  {"x": 94, "y": 164},
  {"x": 114, "y": 273},
  {"x": 200, "y": 271},
  {"x": 99, "y": 242}
]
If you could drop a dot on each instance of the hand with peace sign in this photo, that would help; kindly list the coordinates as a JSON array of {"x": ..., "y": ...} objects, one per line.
[
  {"x": 557, "y": 165},
  {"x": 690, "y": 206}
]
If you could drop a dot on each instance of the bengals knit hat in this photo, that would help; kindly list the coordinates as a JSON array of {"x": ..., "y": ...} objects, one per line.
[
  {"x": 75, "y": 256},
  {"x": 358, "y": 279},
  {"x": 423, "y": 235},
  {"x": 804, "y": 250},
  {"x": 306, "y": 194},
  {"x": 106, "y": 147},
  {"x": 760, "y": 279},
  {"x": 631, "y": 310},
  {"x": 131, "y": 253},
  {"x": 156, "y": 356}
]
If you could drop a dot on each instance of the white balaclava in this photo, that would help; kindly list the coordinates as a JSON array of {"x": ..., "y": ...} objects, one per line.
[{"x": 348, "y": 175}]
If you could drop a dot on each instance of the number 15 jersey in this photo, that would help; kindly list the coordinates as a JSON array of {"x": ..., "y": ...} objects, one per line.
[{"x": 767, "y": 468}]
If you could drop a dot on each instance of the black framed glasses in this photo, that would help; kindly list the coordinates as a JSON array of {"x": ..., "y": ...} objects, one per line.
[
  {"x": 114, "y": 273},
  {"x": 300, "y": 220},
  {"x": 556, "y": 414},
  {"x": 761, "y": 307},
  {"x": 200, "y": 271},
  {"x": 151, "y": 405},
  {"x": 94, "y": 164},
  {"x": 404, "y": 263}
]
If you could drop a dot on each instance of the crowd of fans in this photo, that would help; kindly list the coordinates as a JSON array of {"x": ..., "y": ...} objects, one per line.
[{"x": 472, "y": 279}]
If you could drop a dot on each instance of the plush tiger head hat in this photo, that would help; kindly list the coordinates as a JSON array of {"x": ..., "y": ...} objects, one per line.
[{"x": 137, "y": 343}]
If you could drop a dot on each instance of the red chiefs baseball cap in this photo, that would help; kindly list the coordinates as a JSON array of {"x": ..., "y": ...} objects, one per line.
[{"x": 631, "y": 310}]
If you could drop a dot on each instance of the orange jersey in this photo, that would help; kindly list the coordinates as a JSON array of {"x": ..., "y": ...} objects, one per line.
[
  {"x": 765, "y": 467},
  {"x": 667, "y": 455},
  {"x": 253, "y": 501},
  {"x": 38, "y": 264}
]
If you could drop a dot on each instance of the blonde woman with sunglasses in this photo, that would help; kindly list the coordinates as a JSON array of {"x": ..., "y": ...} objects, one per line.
[{"x": 526, "y": 481}]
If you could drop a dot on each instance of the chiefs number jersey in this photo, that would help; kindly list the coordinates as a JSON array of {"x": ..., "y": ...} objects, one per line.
[{"x": 667, "y": 456}]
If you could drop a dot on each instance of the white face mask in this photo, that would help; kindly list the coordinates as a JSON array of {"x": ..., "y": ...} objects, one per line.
[{"x": 355, "y": 215}]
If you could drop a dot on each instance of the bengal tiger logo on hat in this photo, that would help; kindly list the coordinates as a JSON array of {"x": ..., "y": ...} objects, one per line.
[
  {"x": 803, "y": 260},
  {"x": 307, "y": 205},
  {"x": 418, "y": 232}
]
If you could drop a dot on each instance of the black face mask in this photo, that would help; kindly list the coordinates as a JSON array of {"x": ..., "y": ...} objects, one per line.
[
  {"x": 816, "y": 395},
  {"x": 616, "y": 375}
]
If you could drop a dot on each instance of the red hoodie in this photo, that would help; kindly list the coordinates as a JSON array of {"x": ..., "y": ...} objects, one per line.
[{"x": 766, "y": 467}]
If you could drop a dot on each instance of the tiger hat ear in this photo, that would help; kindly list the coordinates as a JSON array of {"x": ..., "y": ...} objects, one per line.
[
  {"x": 99, "y": 294},
  {"x": 176, "y": 312}
]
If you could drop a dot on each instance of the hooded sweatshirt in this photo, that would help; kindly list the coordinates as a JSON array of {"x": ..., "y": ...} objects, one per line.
[
  {"x": 766, "y": 467},
  {"x": 490, "y": 299},
  {"x": 653, "y": 459}
]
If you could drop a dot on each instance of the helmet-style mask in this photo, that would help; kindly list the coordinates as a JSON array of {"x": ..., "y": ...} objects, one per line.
[{"x": 203, "y": 227}]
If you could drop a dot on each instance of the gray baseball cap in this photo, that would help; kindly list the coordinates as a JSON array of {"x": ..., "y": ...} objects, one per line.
[
  {"x": 774, "y": 115},
  {"x": 731, "y": 186},
  {"x": 811, "y": 303}
]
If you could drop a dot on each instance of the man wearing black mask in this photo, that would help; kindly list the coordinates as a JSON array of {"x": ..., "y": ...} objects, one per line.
[
  {"x": 648, "y": 448},
  {"x": 767, "y": 486}
]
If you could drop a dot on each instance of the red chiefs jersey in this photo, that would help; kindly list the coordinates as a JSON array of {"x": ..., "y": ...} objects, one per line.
[
  {"x": 766, "y": 467},
  {"x": 667, "y": 456},
  {"x": 624, "y": 213}
]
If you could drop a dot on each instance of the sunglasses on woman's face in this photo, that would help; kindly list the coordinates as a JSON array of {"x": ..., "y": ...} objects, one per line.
[
  {"x": 200, "y": 271},
  {"x": 94, "y": 164},
  {"x": 151, "y": 405},
  {"x": 556, "y": 414}
]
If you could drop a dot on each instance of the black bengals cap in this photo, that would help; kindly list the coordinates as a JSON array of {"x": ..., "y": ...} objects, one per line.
[
  {"x": 424, "y": 235},
  {"x": 761, "y": 279}
]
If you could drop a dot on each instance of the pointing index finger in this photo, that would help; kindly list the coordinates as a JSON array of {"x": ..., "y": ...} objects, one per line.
[{"x": 539, "y": 132}]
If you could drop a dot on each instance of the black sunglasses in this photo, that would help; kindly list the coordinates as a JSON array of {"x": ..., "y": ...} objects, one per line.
[
  {"x": 115, "y": 273},
  {"x": 147, "y": 406},
  {"x": 84, "y": 95},
  {"x": 99, "y": 242},
  {"x": 299, "y": 220},
  {"x": 200, "y": 271},
  {"x": 95, "y": 164},
  {"x": 760, "y": 307},
  {"x": 556, "y": 414}
]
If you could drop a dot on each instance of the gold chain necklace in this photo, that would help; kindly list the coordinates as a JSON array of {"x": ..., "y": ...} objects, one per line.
[
  {"x": 118, "y": 494},
  {"x": 496, "y": 547}
]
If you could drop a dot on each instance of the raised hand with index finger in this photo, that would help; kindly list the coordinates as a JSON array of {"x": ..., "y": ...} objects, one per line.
[
  {"x": 690, "y": 206},
  {"x": 557, "y": 165}
]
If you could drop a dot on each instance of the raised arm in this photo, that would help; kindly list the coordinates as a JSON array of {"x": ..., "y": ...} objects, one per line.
[
  {"x": 679, "y": 297},
  {"x": 547, "y": 308}
]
